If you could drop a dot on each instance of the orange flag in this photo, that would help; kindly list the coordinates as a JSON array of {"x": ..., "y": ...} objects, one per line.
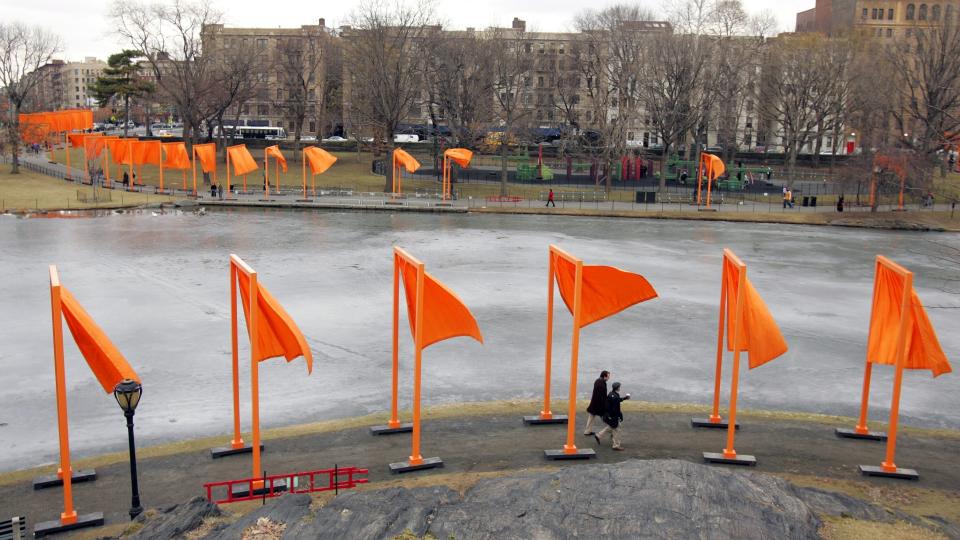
[
  {"x": 606, "y": 290},
  {"x": 208, "y": 156},
  {"x": 106, "y": 362},
  {"x": 146, "y": 153},
  {"x": 76, "y": 139},
  {"x": 319, "y": 159},
  {"x": 121, "y": 150},
  {"x": 402, "y": 158},
  {"x": 461, "y": 156},
  {"x": 714, "y": 165},
  {"x": 241, "y": 159},
  {"x": 274, "y": 152},
  {"x": 923, "y": 349},
  {"x": 444, "y": 314},
  {"x": 175, "y": 156},
  {"x": 277, "y": 334},
  {"x": 759, "y": 334}
]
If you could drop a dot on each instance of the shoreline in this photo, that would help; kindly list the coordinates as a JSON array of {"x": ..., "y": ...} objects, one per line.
[{"x": 445, "y": 412}]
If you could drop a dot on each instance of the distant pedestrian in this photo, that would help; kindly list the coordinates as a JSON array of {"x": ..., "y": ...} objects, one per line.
[
  {"x": 788, "y": 198},
  {"x": 683, "y": 176},
  {"x": 613, "y": 417},
  {"x": 126, "y": 178},
  {"x": 840, "y": 203},
  {"x": 220, "y": 191},
  {"x": 213, "y": 191},
  {"x": 550, "y": 199},
  {"x": 598, "y": 402},
  {"x": 769, "y": 174}
]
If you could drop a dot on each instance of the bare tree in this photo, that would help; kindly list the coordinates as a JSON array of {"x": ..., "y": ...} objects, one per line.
[
  {"x": 23, "y": 51},
  {"x": 926, "y": 77},
  {"x": 169, "y": 36},
  {"x": 510, "y": 51},
  {"x": 235, "y": 70},
  {"x": 298, "y": 61},
  {"x": 384, "y": 47},
  {"x": 459, "y": 76}
]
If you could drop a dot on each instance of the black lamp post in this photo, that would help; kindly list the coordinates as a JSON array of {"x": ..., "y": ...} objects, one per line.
[{"x": 128, "y": 396}]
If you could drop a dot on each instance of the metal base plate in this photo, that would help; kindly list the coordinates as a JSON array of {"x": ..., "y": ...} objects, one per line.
[
  {"x": 52, "y": 480},
  {"x": 706, "y": 423},
  {"x": 536, "y": 420},
  {"x": 224, "y": 451},
  {"x": 902, "y": 474},
  {"x": 405, "y": 466},
  {"x": 853, "y": 434},
  {"x": 53, "y": 527},
  {"x": 741, "y": 459},
  {"x": 243, "y": 490},
  {"x": 707, "y": 210},
  {"x": 581, "y": 453},
  {"x": 304, "y": 200},
  {"x": 393, "y": 203},
  {"x": 406, "y": 427}
]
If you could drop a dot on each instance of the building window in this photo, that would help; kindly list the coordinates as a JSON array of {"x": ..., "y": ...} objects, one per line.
[
  {"x": 873, "y": 13},
  {"x": 922, "y": 12},
  {"x": 263, "y": 110},
  {"x": 279, "y": 93},
  {"x": 540, "y": 81},
  {"x": 540, "y": 48},
  {"x": 313, "y": 126},
  {"x": 935, "y": 12},
  {"x": 261, "y": 43},
  {"x": 910, "y": 11},
  {"x": 890, "y": 14},
  {"x": 889, "y": 32}
]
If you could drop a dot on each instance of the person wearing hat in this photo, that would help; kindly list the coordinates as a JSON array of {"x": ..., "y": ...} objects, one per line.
[
  {"x": 598, "y": 402},
  {"x": 613, "y": 417}
]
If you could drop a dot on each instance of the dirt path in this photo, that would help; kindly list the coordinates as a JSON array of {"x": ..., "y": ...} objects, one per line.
[{"x": 499, "y": 443}]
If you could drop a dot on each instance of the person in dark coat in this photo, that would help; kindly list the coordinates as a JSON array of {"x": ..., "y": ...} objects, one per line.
[
  {"x": 613, "y": 417},
  {"x": 598, "y": 402}
]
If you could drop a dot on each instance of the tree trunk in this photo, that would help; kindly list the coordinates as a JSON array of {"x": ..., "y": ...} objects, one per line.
[
  {"x": 503, "y": 164},
  {"x": 126, "y": 114},
  {"x": 388, "y": 171}
]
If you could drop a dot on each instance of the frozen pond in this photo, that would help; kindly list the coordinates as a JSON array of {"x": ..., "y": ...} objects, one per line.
[{"x": 158, "y": 285}]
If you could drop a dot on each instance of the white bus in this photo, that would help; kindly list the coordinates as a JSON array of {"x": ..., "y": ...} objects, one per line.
[{"x": 253, "y": 132}]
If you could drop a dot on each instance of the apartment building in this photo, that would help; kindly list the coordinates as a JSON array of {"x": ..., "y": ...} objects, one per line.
[
  {"x": 279, "y": 53},
  {"x": 65, "y": 85},
  {"x": 886, "y": 19}
]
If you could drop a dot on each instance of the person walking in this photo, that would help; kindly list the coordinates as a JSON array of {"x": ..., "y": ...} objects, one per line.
[
  {"x": 790, "y": 197},
  {"x": 550, "y": 199},
  {"x": 840, "y": 203},
  {"x": 598, "y": 402},
  {"x": 613, "y": 417},
  {"x": 220, "y": 191}
]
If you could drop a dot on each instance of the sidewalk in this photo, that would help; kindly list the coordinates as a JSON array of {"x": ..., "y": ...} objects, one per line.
[{"x": 499, "y": 442}]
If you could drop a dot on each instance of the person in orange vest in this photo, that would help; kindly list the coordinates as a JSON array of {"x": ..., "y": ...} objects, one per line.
[{"x": 788, "y": 198}]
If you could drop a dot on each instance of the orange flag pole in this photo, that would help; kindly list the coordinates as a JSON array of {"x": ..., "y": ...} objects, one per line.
[
  {"x": 861, "y": 431},
  {"x": 394, "y": 425},
  {"x": 303, "y": 157},
  {"x": 415, "y": 457},
  {"x": 193, "y": 165},
  {"x": 266, "y": 174},
  {"x": 729, "y": 451},
  {"x": 161, "y": 165},
  {"x": 130, "y": 157},
  {"x": 228, "y": 175},
  {"x": 709, "y": 180},
  {"x": 65, "y": 472},
  {"x": 888, "y": 464},
  {"x": 66, "y": 153},
  {"x": 254, "y": 380},
  {"x": 699, "y": 178},
  {"x": 546, "y": 416}
]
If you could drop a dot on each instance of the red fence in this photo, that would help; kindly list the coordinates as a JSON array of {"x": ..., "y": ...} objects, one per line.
[{"x": 249, "y": 489}]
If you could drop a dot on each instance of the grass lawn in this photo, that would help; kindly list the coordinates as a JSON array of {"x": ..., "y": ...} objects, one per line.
[{"x": 31, "y": 191}]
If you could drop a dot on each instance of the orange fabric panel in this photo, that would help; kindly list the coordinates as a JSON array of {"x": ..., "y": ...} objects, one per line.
[
  {"x": 923, "y": 349},
  {"x": 759, "y": 336},
  {"x": 319, "y": 159},
  {"x": 402, "y": 158},
  {"x": 122, "y": 150},
  {"x": 76, "y": 139},
  {"x": 146, "y": 153},
  {"x": 461, "y": 156},
  {"x": 240, "y": 158},
  {"x": 31, "y": 132},
  {"x": 106, "y": 362},
  {"x": 175, "y": 156},
  {"x": 444, "y": 315},
  {"x": 607, "y": 290},
  {"x": 75, "y": 120},
  {"x": 274, "y": 152},
  {"x": 277, "y": 334},
  {"x": 208, "y": 156},
  {"x": 714, "y": 165}
]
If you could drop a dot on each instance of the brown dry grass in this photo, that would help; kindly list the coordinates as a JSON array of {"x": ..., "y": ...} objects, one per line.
[
  {"x": 855, "y": 529},
  {"x": 29, "y": 191}
]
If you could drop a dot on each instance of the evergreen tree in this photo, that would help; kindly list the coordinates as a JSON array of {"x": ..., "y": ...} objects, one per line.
[{"x": 121, "y": 80}]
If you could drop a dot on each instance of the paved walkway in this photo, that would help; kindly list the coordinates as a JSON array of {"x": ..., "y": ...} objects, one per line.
[{"x": 495, "y": 443}]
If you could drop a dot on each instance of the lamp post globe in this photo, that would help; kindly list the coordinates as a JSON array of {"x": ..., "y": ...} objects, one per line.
[{"x": 128, "y": 393}]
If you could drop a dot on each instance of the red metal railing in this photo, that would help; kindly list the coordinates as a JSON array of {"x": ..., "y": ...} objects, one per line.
[
  {"x": 504, "y": 198},
  {"x": 266, "y": 487}
]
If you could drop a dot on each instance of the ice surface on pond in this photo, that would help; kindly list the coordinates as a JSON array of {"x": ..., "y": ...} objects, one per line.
[{"x": 158, "y": 285}]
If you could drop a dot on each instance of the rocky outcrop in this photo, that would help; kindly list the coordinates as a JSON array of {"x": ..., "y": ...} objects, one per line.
[
  {"x": 286, "y": 511},
  {"x": 174, "y": 521}
]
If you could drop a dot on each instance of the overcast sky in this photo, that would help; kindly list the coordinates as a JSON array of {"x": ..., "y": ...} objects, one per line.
[{"x": 85, "y": 29}]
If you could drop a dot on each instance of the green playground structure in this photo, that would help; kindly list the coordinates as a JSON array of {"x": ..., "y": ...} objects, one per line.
[{"x": 728, "y": 183}]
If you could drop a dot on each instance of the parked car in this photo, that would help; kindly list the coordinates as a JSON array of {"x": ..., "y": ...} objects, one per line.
[
  {"x": 308, "y": 138},
  {"x": 335, "y": 138},
  {"x": 405, "y": 138}
]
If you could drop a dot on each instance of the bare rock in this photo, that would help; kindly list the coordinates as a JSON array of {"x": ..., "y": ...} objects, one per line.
[{"x": 174, "y": 521}]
